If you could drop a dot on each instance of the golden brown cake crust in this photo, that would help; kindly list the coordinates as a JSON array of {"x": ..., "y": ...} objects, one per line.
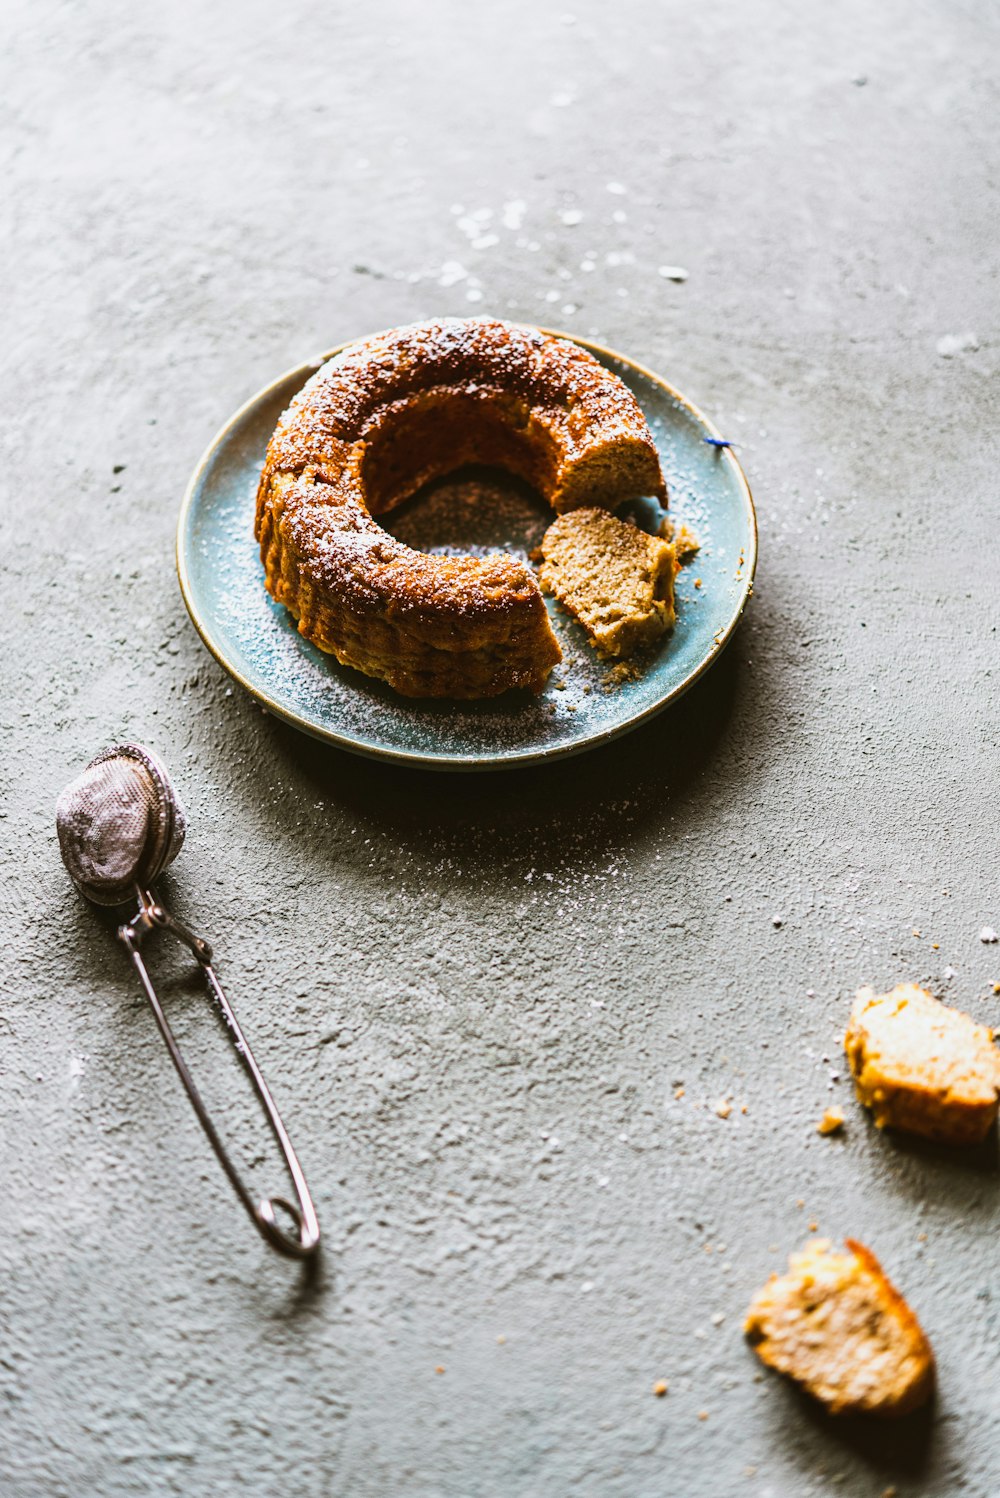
[
  {"x": 921, "y": 1066},
  {"x": 378, "y": 421},
  {"x": 837, "y": 1325}
]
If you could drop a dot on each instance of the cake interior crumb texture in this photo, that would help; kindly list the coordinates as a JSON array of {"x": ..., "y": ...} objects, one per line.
[
  {"x": 836, "y": 1325},
  {"x": 617, "y": 581},
  {"x": 921, "y": 1066}
]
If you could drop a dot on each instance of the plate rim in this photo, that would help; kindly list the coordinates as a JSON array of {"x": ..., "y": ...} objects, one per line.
[{"x": 448, "y": 762}]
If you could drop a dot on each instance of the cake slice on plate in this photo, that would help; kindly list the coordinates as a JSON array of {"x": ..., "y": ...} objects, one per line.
[{"x": 617, "y": 581}]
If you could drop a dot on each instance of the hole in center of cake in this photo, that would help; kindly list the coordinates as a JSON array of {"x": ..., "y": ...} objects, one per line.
[{"x": 472, "y": 512}]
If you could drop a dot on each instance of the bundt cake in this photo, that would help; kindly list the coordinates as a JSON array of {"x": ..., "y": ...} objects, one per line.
[
  {"x": 383, "y": 417},
  {"x": 616, "y": 580}
]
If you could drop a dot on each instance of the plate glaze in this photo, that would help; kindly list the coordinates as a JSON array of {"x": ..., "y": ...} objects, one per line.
[{"x": 257, "y": 642}]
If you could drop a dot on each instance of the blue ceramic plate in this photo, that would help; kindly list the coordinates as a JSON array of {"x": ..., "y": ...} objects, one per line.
[{"x": 256, "y": 640}]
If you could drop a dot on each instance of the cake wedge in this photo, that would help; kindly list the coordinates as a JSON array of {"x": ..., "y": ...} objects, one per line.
[
  {"x": 923, "y": 1067},
  {"x": 836, "y": 1325},
  {"x": 617, "y": 581}
]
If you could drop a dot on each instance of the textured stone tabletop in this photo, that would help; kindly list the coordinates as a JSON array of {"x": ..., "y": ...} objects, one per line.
[{"x": 479, "y": 998}]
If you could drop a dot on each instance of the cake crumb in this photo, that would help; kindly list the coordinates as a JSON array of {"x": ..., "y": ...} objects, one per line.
[
  {"x": 832, "y": 1120},
  {"x": 660, "y": 1388},
  {"x": 621, "y": 673},
  {"x": 723, "y": 1107},
  {"x": 682, "y": 537},
  {"x": 703, "y": 1414},
  {"x": 439, "y": 1368}
]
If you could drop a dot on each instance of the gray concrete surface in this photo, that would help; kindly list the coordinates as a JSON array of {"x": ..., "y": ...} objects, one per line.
[{"x": 477, "y": 1000}]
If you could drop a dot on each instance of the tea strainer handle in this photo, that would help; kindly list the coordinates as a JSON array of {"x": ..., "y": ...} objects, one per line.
[{"x": 153, "y": 916}]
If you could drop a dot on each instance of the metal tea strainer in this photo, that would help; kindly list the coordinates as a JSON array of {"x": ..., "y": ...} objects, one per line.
[{"x": 120, "y": 824}]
